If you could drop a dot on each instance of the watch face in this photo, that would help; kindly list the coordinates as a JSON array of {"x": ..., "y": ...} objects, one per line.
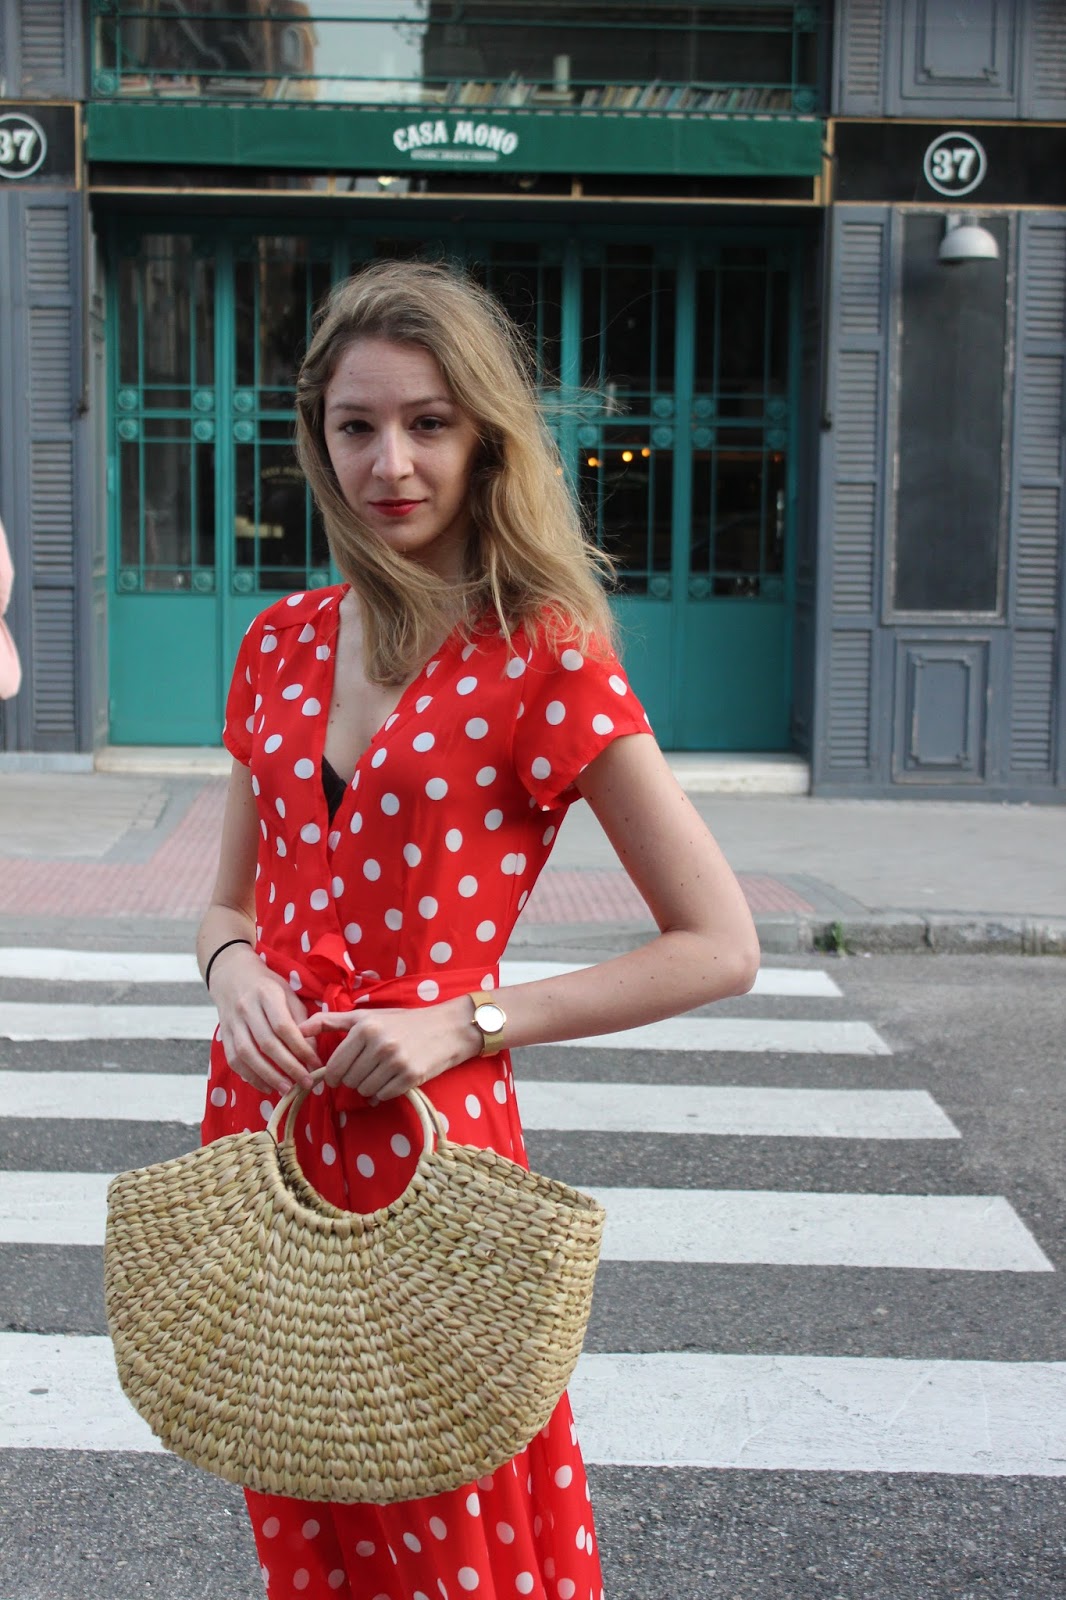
[{"x": 489, "y": 1018}]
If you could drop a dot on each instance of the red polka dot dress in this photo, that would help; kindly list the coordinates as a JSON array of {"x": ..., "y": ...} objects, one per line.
[{"x": 407, "y": 895}]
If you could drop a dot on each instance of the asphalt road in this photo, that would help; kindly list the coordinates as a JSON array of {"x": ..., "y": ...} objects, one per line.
[{"x": 982, "y": 1037}]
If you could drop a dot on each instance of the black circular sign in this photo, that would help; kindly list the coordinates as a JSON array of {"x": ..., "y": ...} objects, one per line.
[
  {"x": 23, "y": 145},
  {"x": 954, "y": 164}
]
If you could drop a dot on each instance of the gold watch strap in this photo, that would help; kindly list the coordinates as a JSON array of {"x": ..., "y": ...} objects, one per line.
[{"x": 493, "y": 1042}]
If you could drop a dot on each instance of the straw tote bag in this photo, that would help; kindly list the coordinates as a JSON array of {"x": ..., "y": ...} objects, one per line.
[{"x": 302, "y": 1350}]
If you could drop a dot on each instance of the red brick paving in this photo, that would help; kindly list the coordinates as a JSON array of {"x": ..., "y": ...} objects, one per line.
[{"x": 177, "y": 881}]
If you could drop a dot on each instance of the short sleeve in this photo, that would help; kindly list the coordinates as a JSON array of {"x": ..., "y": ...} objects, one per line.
[
  {"x": 240, "y": 702},
  {"x": 573, "y": 705}
]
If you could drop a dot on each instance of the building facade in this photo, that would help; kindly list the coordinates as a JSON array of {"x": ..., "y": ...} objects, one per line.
[{"x": 828, "y": 464}]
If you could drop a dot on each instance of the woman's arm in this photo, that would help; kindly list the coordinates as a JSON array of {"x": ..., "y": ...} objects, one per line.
[
  {"x": 259, "y": 1015},
  {"x": 706, "y": 949}
]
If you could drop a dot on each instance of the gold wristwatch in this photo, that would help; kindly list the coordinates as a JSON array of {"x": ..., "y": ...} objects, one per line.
[{"x": 491, "y": 1019}]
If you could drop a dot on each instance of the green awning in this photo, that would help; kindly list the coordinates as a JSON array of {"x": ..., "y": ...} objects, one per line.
[{"x": 356, "y": 139}]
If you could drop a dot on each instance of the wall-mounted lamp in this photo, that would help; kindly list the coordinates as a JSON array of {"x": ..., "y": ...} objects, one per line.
[{"x": 965, "y": 240}]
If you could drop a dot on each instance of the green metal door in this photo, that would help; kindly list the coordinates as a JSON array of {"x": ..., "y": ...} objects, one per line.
[{"x": 668, "y": 370}]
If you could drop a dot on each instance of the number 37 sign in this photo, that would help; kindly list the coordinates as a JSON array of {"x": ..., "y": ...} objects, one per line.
[
  {"x": 23, "y": 145},
  {"x": 954, "y": 164}
]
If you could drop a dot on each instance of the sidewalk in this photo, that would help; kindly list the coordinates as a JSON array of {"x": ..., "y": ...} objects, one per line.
[{"x": 133, "y": 856}]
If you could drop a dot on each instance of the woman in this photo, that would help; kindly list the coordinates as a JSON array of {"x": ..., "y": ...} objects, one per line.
[{"x": 406, "y": 745}]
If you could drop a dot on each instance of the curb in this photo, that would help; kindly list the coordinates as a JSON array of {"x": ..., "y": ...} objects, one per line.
[{"x": 900, "y": 932}]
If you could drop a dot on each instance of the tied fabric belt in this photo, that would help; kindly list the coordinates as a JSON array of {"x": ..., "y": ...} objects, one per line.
[{"x": 327, "y": 979}]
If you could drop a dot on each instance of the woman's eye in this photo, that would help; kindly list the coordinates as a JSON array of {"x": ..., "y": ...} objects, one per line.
[
  {"x": 430, "y": 424},
  {"x": 353, "y": 427}
]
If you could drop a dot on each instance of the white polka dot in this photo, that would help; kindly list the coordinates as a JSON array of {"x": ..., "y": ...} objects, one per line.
[
  {"x": 400, "y": 1146},
  {"x": 311, "y": 1529},
  {"x": 322, "y": 652},
  {"x": 301, "y": 1578},
  {"x": 295, "y": 981},
  {"x": 468, "y": 887},
  {"x": 329, "y": 1156},
  {"x": 541, "y": 767},
  {"x": 602, "y": 724},
  {"x": 304, "y": 768},
  {"x": 293, "y": 692},
  {"x": 353, "y": 932},
  {"x": 549, "y": 1565},
  {"x": 555, "y": 712},
  {"x": 505, "y": 1533},
  {"x": 466, "y": 686},
  {"x": 486, "y": 775},
  {"x": 509, "y": 864},
  {"x": 390, "y": 804},
  {"x": 564, "y": 1477},
  {"x": 486, "y": 931},
  {"x": 618, "y": 684},
  {"x": 269, "y": 643},
  {"x": 271, "y": 1528},
  {"x": 390, "y": 720},
  {"x": 580, "y": 1539},
  {"x": 572, "y": 660},
  {"x": 440, "y": 953},
  {"x": 355, "y": 823},
  {"x": 567, "y": 1587},
  {"x": 548, "y": 835},
  {"x": 468, "y": 1579},
  {"x": 365, "y": 1165},
  {"x": 412, "y": 1542},
  {"x": 524, "y": 1583},
  {"x": 473, "y": 1505},
  {"x": 311, "y": 707},
  {"x": 428, "y": 907},
  {"x": 271, "y": 744},
  {"x": 310, "y": 833},
  {"x": 334, "y": 838},
  {"x": 337, "y": 886},
  {"x": 364, "y": 1548},
  {"x": 437, "y": 1528},
  {"x": 378, "y": 757},
  {"x": 477, "y": 728},
  {"x": 372, "y": 870},
  {"x": 423, "y": 741},
  {"x": 218, "y": 1097},
  {"x": 307, "y": 633},
  {"x": 266, "y": 1110},
  {"x": 255, "y": 784},
  {"x": 429, "y": 989},
  {"x": 436, "y": 788},
  {"x": 519, "y": 864},
  {"x": 394, "y": 919},
  {"x": 499, "y": 1092},
  {"x": 453, "y": 839},
  {"x": 305, "y": 942},
  {"x": 412, "y": 854},
  {"x": 336, "y": 1578},
  {"x": 431, "y": 668},
  {"x": 422, "y": 702},
  {"x": 493, "y": 820},
  {"x": 515, "y": 667},
  {"x": 588, "y": 1544},
  {"x": 319, "y": 900},
  {"x": 401, "y": 967},
  {"x": 281, "y": 847},
  {"x": 467, "y": 651},
  {"x": 473, "y": 1106}
]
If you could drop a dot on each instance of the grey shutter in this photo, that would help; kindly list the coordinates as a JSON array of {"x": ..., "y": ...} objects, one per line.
[
  {"x": 1046, "y": 96},
  {"x": 1037, "y": 511},
  {"x": 852, "y": 495},
  {"x": 49, "y": 48},
  {"x": 47, "y": 370},
  {"x": 859, "y": 58}
]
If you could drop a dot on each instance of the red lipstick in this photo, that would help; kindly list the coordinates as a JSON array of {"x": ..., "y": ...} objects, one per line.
[{"x": 395, "y": 508}]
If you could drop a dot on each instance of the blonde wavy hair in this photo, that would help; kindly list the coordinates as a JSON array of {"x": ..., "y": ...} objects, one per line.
[{"x": 527, "y": 558}]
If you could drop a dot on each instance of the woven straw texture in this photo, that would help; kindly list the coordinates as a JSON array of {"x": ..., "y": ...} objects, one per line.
[{"x": 301, "y": 1350}]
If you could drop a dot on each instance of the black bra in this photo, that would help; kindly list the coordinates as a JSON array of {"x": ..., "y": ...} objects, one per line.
[{"x": 333, "y": 786}]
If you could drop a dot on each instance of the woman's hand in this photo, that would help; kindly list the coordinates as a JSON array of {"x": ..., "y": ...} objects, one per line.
[
  {"x": 260, "y": 1019},
  {"x": 387, "y": 1050}
]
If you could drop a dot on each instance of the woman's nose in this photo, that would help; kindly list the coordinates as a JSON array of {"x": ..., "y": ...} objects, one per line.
[{"x": 393, "y": 458}]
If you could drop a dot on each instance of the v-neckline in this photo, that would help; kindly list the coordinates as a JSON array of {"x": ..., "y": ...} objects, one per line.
[{"x": 386, "y": 726}]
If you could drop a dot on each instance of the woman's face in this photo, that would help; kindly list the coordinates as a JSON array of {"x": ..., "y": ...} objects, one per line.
[{"x": 402, "y": 450}]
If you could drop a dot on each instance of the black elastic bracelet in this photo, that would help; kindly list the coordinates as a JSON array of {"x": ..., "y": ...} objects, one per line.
[{"x": 218, "y": 952}]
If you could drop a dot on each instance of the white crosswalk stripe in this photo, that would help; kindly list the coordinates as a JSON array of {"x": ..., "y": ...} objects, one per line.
[
  {"x": 803, "y": 1412},
  {"x": 974, "y": 1233}
]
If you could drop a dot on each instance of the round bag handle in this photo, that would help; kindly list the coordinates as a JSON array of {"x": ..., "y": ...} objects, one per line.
[{"x": 428, "y": 1116}]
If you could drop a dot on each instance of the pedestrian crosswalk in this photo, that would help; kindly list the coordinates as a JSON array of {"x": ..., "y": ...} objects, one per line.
[{"x": 805, "y": 1410}]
